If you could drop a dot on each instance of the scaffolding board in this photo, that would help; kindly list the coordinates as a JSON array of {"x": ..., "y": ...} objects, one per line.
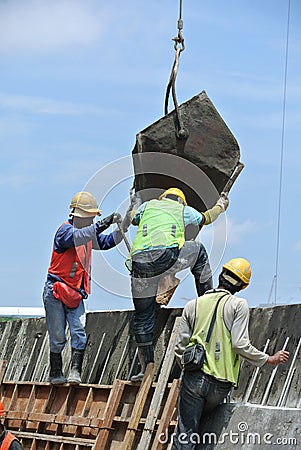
[{"x": 100, "y": 417}]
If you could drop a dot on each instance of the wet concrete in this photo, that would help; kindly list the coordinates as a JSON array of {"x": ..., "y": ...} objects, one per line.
[{"x": 200, "y": 164}]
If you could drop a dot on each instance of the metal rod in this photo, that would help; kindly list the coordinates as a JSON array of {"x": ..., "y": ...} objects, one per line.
[
  {"x": 38, "y": 373},
  {"x": 289, "y": 374},
  {"x": 133, "y": 363},
  {"x": 273, "y": 374},
  {"x": 126, "y": 241},
  {"x": 255, "y": 374},
  {"x": 290, "y": 379},
  {"x": 97, "y": 354},
  {"x": 105, "y": 365},
  {"x": 122, "y": 356}
]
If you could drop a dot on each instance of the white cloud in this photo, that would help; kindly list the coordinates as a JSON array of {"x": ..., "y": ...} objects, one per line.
[
  {"x": 237, "y": 232},
  {"x": 41, "y": 25},
  {"x": 226, "y": 229},
  {"x": 39, "y": 105},
  {"x": 223, "y": 234}
]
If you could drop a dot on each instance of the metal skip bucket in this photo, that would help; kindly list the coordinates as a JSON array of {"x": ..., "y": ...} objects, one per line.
[{"x": 200, "y": 164}]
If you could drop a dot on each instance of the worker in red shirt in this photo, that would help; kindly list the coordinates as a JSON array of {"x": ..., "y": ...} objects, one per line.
[{"x": 68, "y": 281}]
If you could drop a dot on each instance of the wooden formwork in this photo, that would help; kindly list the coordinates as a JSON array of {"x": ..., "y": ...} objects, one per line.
[{"x": 121, "y": 416}]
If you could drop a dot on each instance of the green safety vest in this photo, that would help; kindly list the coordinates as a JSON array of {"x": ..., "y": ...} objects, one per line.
[
  {"x": 221, "y": 361},
  {"x": 161, "y": 225}
]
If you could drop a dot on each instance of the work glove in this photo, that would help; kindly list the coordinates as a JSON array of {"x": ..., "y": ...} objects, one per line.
[
  {"x": 126, "y": 222},
  {"x": 103, "y": 224},
  {"x": 223, "y": 201},
  {"x": 136, "y": 201},
  {"x": 117, "y": 218},
  {"x": 134, "y": 205}
]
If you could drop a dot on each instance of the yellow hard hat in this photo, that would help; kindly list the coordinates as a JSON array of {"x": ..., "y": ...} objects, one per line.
[
  {"x": 239, "y": 267},
  {"x": 84, "y": 204},
  {"x": 174, "y": 191}
]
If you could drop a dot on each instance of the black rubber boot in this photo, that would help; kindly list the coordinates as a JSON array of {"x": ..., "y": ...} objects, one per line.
[
  {"x": 56, "y": 374},
  {"x": 145, "y": 355},
  {"x": 76, "y": 366}
]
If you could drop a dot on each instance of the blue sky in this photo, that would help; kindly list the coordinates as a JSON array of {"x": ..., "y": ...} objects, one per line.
[{"x": 79, "y": 79}]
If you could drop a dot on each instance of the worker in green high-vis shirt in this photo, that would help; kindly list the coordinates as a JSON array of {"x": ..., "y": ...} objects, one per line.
[
  {"x": 160, "y": 248},
  {"x": 204, "y": 389}
]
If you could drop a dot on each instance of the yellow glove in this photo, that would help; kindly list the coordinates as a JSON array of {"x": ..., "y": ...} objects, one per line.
[{"x": 212, "y": 214}]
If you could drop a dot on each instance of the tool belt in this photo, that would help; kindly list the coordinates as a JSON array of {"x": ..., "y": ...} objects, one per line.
[
  {"x": 66, "y": 294},
  {"x": 193, "y": 357}
]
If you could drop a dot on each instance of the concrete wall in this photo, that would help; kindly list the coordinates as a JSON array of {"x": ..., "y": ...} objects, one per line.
[
  {"x": 111, "y": 350},
  {"x": 245, "y": 427},
  {"x": 277, "y": 324}
]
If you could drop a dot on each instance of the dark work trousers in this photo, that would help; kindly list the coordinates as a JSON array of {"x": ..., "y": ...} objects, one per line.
[
  {"x": 147, "y": 269},
  {"x": 199, "y": 394}
]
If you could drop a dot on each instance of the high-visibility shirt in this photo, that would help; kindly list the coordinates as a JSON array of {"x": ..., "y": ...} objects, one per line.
[
  {"x": 73, "y": 266},
  {"x": 221, "y": 361},
  {"x": 161, "y": 225},
  {"x": 8, "y": 439}
]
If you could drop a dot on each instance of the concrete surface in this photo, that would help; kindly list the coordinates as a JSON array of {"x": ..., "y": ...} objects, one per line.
[
  {"x": 111, "y": 350},
  {"x": 246, "y": 427}
]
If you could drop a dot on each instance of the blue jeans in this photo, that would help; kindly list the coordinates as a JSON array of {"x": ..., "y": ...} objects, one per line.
[
  {"x": 199, "y": 394},
  {"x": 57, "y": 317},
  {"x": 147, "y": 269}
]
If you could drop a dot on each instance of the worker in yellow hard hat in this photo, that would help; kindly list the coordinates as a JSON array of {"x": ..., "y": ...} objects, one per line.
[
  {"x": 68, "y": 280},
  {"x": 207, "y": 382},
  {"x": 7, "y": 440},
  {"x": 174, "y": 193},
  {"x": 160, "y": 247}
]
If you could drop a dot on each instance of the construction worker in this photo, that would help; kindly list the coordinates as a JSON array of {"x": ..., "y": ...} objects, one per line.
[
  {"x": 68, "y": 281},
  {"x": 7, "y": 440},
  {"x": 204, "y": 389},
  {"x": 160, "y": 248}
]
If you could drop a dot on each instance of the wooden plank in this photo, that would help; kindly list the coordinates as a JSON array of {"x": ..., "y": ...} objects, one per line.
[
  {"x": 86, "y": 412},
  {"x": 41, "y": 417},
  {"x": 17, "y": 415},
  {"x": 73, "y": 420},
  {"x": 53, "y": 438},
  {"x": 58, "y": 412},
  {"x": 109, "y": 414},
  {"x": 166, "y": 415},
  {"x": 160, "y": 388},
  {"x": 96, "y": 423},
  {"x": 138, "y": 407},
  {"x": 29, "y": 407},
  {"x": 48, "y": 395},
  {"x": 13, "y": 398},
  {"x": 88, "y": 402}
]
